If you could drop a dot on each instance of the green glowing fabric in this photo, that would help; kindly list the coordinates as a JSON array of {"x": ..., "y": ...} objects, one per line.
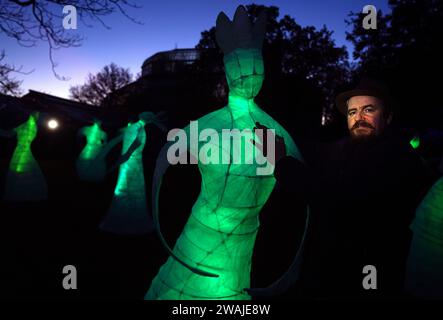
[
  {"x": 91, "y": 164},
  {"x": 24, "y": 180},
  {"x": 212, "y": 257},
  {"x": 415, "y": 142},
  {"x": 128, "y": 213},
  {"x": 425, "y": 262}
]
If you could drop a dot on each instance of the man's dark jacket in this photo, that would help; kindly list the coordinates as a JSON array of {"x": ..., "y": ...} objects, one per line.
[{"x": 362, "y": 197}]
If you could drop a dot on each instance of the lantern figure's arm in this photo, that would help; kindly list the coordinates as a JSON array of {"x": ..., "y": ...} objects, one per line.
[
  {"x": 110, "y": 145},
  {"x": 99, "y": 158},
  {"x": 81, "y": 133},
  {"x": 160, "y": 169},
  {"x": 125, "y": 157}
]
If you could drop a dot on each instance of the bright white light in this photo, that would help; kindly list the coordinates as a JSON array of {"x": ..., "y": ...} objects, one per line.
[{"x": 52, "y": 124}]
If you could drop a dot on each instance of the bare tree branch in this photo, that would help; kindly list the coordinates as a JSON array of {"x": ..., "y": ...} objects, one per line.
[
  {"x": 33, "y": 21},
  {"x": 8, "y": 84}
]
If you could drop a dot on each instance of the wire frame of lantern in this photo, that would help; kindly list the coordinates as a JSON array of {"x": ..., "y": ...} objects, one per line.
[{"x": 212, "y": 257}]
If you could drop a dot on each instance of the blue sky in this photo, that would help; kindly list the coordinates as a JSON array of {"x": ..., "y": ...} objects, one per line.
[{"x": 166, "y": 24}]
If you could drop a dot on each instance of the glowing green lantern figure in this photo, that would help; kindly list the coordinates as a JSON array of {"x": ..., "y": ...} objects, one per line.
[
  {"x": 91, "y": 164},
  {"x": 24, "y": 180},
  {"x": 424, "y": 275},
  {"x": 415, "y": 142},
  {"x": 128, "y": 213},
  {"x": 212, "y": 257}
]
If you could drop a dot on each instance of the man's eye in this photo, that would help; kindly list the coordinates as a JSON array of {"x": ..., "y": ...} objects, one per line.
[
  {"x": 369, "y": 110},
  {"x": 351, "y": 113}
]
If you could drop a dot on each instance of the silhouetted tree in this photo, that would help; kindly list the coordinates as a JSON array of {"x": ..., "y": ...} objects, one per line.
[
  {"x": 99, "y": 86},
  {"x": 290, "y": 49},
  {"x": 405, "y": 51},
  {"x": 304, "y": 51},
  {"x": 8, "y": 84}
]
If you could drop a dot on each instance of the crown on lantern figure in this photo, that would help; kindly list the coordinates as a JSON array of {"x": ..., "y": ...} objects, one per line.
[{"x": 241, "y": 32}]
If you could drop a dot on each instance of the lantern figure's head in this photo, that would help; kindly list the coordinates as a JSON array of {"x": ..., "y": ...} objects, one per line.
[
  {"x": 244, "y": 72},
  {"x": 148, "y": 117},
  {"x": 241, "y": 43}
]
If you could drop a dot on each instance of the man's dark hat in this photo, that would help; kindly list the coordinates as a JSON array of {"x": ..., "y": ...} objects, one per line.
[{"x": 366, "y": 87}]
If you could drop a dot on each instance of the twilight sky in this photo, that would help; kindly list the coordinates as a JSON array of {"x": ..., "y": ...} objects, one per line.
[{"x": 167, "y": 24}]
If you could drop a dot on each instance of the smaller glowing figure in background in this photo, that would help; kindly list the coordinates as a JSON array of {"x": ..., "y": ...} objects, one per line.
[
  {"x": 128, "y": 213},
  {"x": 25, "y": 181},
  {"x": 91, "y": 163},
  {"x": 424, "y": 276}
]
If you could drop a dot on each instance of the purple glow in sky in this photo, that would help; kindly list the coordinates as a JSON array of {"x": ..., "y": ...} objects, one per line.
[{"x": 166, "y": 24}]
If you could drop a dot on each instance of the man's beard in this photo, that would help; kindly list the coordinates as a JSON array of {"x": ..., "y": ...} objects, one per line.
[{"x": 362, "y": 137}]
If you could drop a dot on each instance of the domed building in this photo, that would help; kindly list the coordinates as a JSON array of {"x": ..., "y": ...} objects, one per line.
[{"x": 169, "y": 62}]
